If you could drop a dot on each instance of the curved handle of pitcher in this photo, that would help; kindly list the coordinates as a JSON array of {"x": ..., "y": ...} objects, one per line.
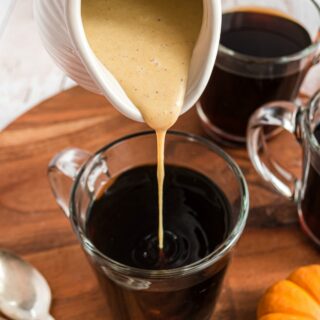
[
  {"x": 279, "y": 114},
  {"x": 62, "y": 171}
]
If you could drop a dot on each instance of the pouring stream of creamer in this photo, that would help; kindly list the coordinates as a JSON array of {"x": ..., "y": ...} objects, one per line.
[{"x": 147, "y": 46}]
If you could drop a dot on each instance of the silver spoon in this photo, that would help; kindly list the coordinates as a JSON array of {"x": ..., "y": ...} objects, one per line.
[{"x": 24, "y": 292}]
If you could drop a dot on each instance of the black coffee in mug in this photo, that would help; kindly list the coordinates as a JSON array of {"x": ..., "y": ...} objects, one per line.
[
  {"x": 303, "y": 122},
  {"x": 239, "y": 85},
  {"x": 122, "y": 224},
  {"x": 310, "y": 196}
]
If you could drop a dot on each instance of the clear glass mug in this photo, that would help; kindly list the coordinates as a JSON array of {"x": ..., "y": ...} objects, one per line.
[
  {"x": 241, "y": 83},
  {"x": 303, "y": 122},
  {"x": 188, "y": 292}
]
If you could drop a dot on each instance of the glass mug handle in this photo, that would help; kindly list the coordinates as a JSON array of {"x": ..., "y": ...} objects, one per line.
[
  {"x": 281, "y": 114},
  {"x": 62, "y": 171}
]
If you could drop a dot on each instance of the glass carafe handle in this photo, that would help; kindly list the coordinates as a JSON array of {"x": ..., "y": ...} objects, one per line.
[
  {"x": 278, "y": 114},
  {"x": 62, "y": 171}
]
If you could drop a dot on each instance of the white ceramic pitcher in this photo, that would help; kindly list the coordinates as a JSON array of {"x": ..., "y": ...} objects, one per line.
[{"x": 62, "y": 32}]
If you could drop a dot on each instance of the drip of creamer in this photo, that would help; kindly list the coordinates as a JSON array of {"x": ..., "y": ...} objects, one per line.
[{"x": 147, "y": 45}]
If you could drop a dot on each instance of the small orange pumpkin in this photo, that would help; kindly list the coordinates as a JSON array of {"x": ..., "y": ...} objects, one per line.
[{"x": 296, "y": 298}]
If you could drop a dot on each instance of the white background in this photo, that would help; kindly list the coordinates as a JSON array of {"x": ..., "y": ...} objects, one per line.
[{"x": 27, "y": 74}]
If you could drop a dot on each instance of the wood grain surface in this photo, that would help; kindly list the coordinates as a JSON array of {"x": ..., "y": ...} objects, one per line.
[{"x": 32, "y": 225}]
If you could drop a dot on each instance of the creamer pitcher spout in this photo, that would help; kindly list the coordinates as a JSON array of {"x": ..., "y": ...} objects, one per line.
[{"x": 61, "y": 29}]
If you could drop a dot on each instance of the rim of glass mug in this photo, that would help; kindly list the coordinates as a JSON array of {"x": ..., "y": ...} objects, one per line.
[
  {"x": 280, "y": 60},
  {"x": 197, "y": 266},
  {"x": 313, "y": 106}
]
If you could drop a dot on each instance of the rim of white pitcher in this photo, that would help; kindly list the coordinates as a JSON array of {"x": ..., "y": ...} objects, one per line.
[
  {"x": 277, "y": 60},
  {"x": 93, "y": 65},
  {"x": 218, "y": 253}
]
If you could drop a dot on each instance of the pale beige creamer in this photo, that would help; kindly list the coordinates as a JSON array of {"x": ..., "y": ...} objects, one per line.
[{"x": 147, "y": 45}]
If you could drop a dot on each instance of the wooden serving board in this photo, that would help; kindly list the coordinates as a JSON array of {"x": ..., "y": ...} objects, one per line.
[{"x": 32, "y": 225}]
